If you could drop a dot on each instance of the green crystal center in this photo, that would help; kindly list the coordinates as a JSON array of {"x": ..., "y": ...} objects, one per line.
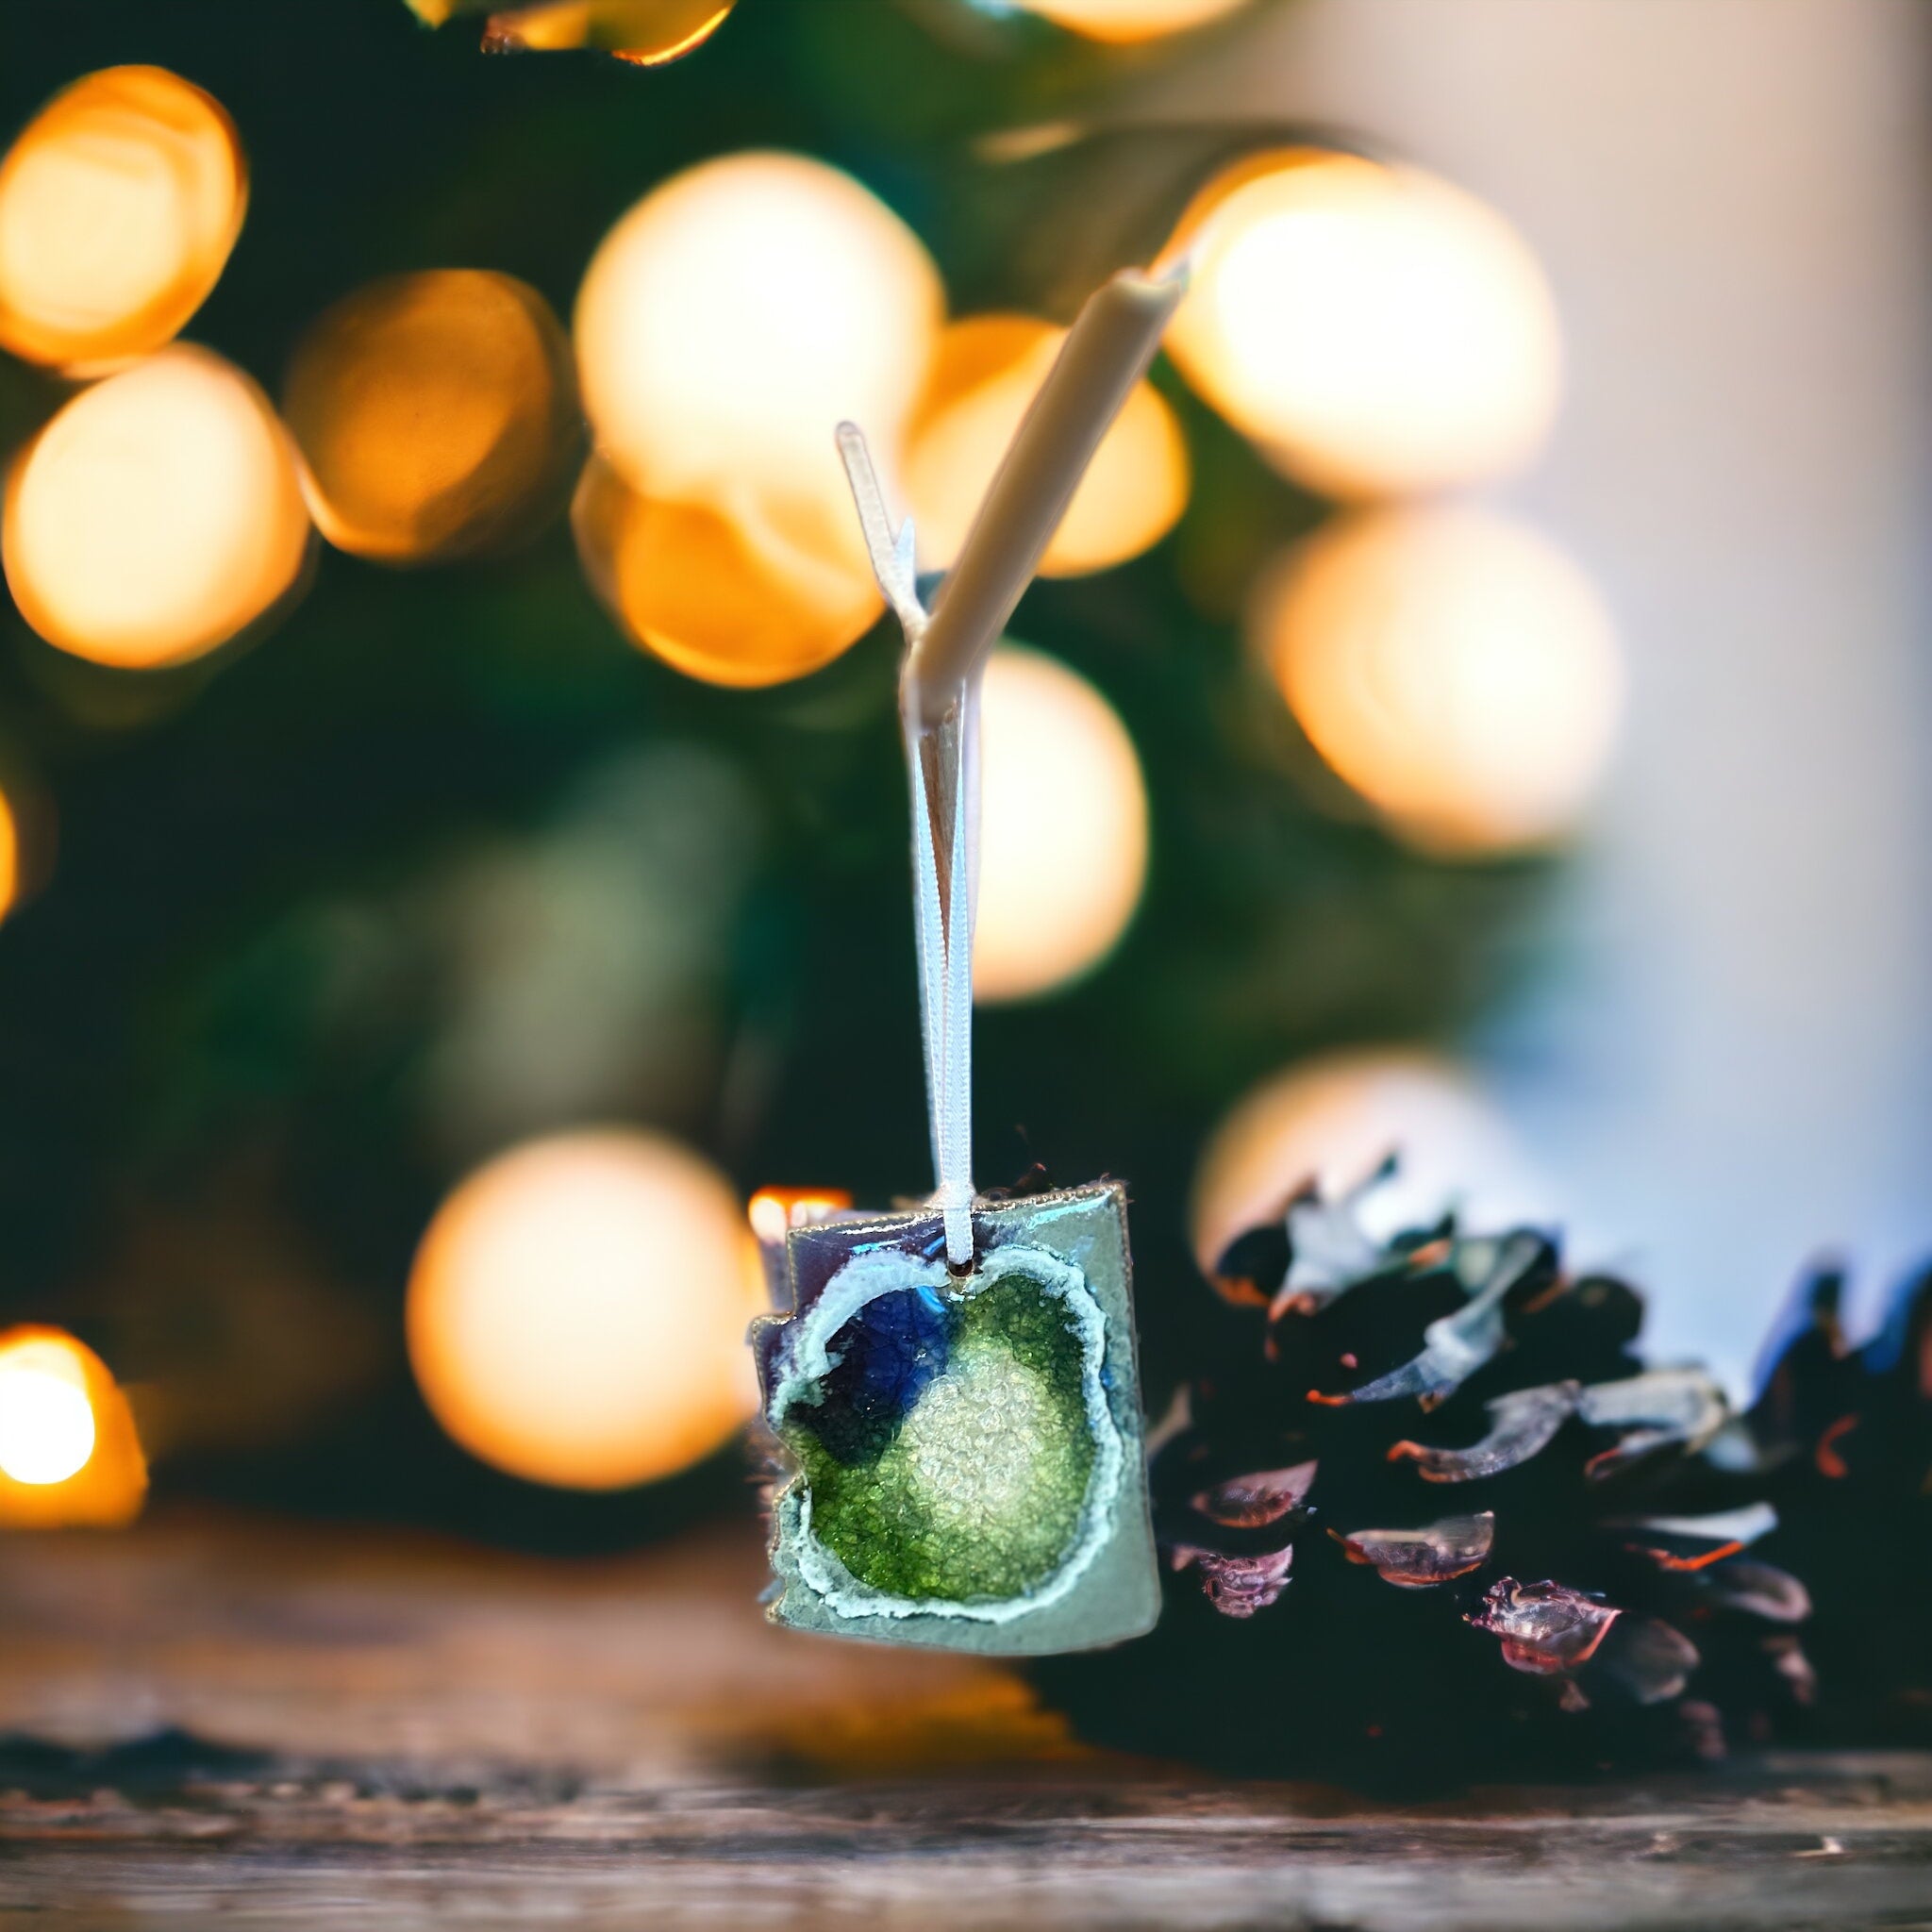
[{"x": 978, "y": 1492}]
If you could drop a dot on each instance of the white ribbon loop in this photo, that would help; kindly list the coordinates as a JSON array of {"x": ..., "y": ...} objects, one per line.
[
  {"x": 1106, "y": 354},
  {"x": 942, "y": 762}
]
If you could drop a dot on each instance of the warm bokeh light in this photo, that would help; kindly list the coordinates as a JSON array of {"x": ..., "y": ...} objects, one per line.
[
  {"x": 775, "y": 1211},
  {"x": 1122, "y": 22},
  {"x": 735, "y": 316},
  {"x": 1375, "y": 330},
  {"x": 988, "y": 369},
  {"x": 578, "y": 1310},
  {"x": 1454, "y": 668},
  {"x": 68, "y": 1454},
  {"x": 119, "y": 202},
  {"x": 10, "y": 856},
  {"x": 1063, "y": 832},
  {"x": 648, "y": 33},
  {"x": 436, "y": 414},
  {"x": 1332, "y": 1121},
  {"x": 46, "y": 1425},
  {"x": 157, "y": 515},
  {"x": 753, "y": 598}
]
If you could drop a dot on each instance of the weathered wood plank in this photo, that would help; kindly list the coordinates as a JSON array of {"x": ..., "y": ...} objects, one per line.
[{"x": 369, "y": 1730}]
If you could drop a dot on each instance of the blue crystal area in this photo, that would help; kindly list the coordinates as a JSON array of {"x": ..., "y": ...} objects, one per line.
[{"x": 884, "y": 1361}]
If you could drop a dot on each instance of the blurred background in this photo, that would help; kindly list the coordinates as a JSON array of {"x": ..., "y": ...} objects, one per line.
[{"x": 454, "y": 850}]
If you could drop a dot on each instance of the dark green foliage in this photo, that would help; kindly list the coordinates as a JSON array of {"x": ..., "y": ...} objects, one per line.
[{"x": 255, "y": 978}]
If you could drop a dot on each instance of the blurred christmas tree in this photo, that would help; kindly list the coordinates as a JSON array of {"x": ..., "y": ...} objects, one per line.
[{"x": 443, "y": 861}]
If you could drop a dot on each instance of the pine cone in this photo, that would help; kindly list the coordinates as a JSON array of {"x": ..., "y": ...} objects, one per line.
[
  {"x": 1840, "y": 1439},
  {"x": 1427, "y": 1516}
]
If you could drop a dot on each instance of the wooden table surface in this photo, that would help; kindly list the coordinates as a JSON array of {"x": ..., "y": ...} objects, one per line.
[{"x": 223, "y": 1721}]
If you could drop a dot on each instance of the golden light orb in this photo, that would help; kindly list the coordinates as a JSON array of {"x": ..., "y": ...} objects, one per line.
[
  {"x": 577, "y": 1313},
  {"x": 46, "y": 1424},
  {"x": 68, "y": 1450},
  {"x": 119, "y": 202},
  {"x": 647, "y": 33},
  {"x": 156, "y": 515},
  {"x": 986, "y": 371},
  {"x": 1454, "y": 668},
  {"x": 1332, "y": 1121},
  {"x": 773, "y": 1212},
  {"x": 745, "y": 600},
  {"x": 735, "y": 316},
  {"x": 1377, "y": 331},
  {"x": 1063, "y": 830},
  {"x": 10, "y": 856},
  {"x": 1122, "y": 22},
  {"x": 436, "y": 414}
]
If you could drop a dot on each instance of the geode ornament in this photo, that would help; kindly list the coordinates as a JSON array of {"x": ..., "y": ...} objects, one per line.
[{"x": 964, "y": 1457}]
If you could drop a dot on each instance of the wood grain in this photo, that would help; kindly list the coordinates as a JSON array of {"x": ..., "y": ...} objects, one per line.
[{"x": 224, "y": 1720}]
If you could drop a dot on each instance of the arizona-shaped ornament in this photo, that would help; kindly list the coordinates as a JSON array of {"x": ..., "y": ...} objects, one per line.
[{"x": 964, "y": 1453}]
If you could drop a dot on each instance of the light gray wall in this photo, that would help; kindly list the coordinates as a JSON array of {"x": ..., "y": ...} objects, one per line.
[{"x": 1728, "y": 1066}]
